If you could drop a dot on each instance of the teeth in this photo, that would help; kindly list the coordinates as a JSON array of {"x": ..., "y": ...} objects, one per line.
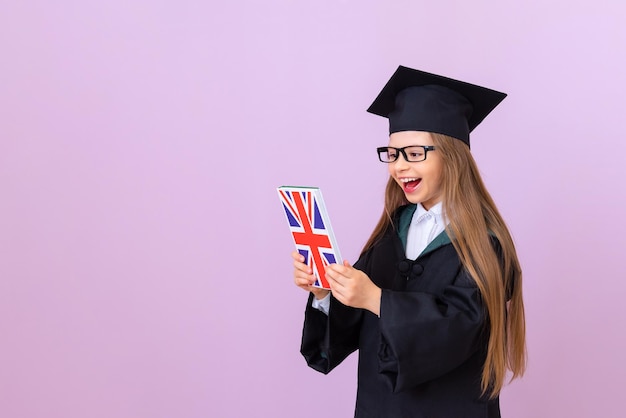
[{"x": 408, "y": 180}]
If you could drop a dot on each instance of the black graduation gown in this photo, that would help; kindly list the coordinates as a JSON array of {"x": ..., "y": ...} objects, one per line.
[{"x": 423, "y": 357}]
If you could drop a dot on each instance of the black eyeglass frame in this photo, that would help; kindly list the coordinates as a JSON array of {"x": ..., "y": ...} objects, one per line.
[{"x": 402, "y": 151}]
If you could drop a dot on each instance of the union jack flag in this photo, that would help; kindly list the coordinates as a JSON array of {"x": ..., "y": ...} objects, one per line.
[{"x": 310, "y": 227}]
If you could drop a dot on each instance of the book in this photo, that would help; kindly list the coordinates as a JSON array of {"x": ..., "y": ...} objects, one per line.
[{"x": 310, "y": 228}]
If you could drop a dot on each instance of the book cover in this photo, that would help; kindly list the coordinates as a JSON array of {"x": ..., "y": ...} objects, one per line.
[{"x": 310, "y": 228}]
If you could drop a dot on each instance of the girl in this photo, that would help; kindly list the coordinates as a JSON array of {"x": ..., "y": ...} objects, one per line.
[{"x": 434, "y": 303}]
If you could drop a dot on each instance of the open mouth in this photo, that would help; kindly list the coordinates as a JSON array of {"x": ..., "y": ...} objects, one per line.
[{"x": 410, "y": 184}]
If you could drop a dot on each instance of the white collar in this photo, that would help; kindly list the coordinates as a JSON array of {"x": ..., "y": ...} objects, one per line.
[{"x": 436, "y": 210}]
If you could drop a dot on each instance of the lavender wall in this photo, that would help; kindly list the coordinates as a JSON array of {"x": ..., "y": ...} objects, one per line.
[{"x": 144, "y": 258}]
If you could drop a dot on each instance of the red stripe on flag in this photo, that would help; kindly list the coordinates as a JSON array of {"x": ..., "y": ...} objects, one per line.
[
  {"x": 315, "y": 241},
  {"x": 285, "y": 200}
]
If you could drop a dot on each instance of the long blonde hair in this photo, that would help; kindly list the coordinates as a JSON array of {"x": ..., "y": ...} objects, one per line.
[{"x": 473, "y": 218}]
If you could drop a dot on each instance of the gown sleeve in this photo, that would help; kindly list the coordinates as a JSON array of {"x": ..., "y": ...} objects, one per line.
[
  {"x": 328, "y": 339},
  {"x": 424, "y": 336}
]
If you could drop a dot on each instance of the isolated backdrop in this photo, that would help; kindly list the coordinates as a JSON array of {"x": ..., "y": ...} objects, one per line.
[{"x": 144, "y": 257}]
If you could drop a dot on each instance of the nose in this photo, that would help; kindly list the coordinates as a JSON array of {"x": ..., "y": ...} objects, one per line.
[{"x": 400, "y": 164}]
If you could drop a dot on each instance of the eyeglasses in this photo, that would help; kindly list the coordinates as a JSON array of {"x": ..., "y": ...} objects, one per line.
[{"x": 412, "y": 154}]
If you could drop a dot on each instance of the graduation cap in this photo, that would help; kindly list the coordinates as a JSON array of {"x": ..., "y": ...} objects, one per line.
[{"x": 414, "y": 100}]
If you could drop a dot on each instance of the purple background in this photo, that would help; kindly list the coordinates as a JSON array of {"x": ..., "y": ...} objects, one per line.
[{"x": 144, "y": 257}]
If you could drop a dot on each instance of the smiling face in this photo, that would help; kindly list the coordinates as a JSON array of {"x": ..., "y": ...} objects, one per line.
[{"x": 420, "y": 181}]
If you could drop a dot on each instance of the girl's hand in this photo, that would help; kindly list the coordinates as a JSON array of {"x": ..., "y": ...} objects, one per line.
[
  {"x": 304, "y": 278},
  {"x": 353, "y": 288}
]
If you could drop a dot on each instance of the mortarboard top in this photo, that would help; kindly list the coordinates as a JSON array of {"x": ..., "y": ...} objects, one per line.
[{"x": 415, "y": 100}]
